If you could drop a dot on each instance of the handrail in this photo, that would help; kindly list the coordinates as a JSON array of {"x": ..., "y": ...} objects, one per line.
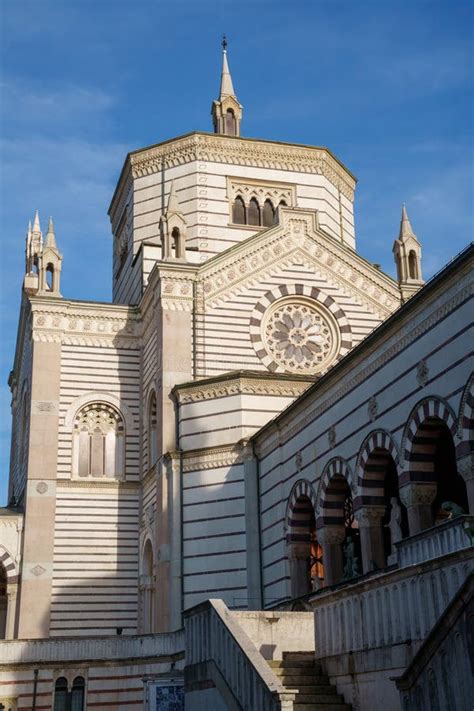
[{"x": 213, "y": 634}]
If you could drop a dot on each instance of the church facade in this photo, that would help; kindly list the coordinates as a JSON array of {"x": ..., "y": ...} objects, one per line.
[{"x": 260, "y": 416}]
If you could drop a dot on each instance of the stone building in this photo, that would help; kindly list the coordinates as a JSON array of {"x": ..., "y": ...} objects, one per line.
[{"x": 261, "y": 448}]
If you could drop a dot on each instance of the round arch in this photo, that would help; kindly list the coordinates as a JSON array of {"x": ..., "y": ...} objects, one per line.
[
  {"x": 302, "y": 488},
  {"x": 465, "y": 431},
  {"x": 99, "y": 396},
  {"x": 334, "y": 469},
  {"x": 378, "y": 447},
  {"x": 431, "y": 407}
]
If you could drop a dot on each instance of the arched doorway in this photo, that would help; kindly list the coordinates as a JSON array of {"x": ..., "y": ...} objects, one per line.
[
  {"x": 433, "y": 470},
  {"x": 303, "y": 549},
  {"x": 338, "y": 530},
  {"x": 382, "y": 517},
  {"x": 3, "y": 602}
]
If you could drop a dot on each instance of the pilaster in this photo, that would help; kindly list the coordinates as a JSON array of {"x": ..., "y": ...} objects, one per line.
[{"x": 40, "y": 503}]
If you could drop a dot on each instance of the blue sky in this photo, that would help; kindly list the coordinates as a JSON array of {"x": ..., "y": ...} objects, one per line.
[{"x": 385, "y": 84}]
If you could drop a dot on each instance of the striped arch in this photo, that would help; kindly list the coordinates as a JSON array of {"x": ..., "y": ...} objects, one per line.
[
  {"x": 9, "y": 566},
  {"x": 282, "y": 291},
  {"x": 466, "y": 421},
  {"x": 333, "y": 487},
  {"x": 375, "y": 454},
  {"x": 420, "y": 436},
  {"x": 298, "y": 512}
]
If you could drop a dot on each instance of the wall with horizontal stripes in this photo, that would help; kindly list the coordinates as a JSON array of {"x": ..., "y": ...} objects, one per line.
[
  {"x": 214, "y": 545},
  {"x": 96, "y": 523},
  {"x": 223, "y": 332},
  {"x": 376, "y": 389}
]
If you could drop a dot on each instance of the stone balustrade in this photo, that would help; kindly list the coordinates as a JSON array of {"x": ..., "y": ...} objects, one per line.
[
  {"x": 455, "y": 534},
  {"x": 33, "y": 651},
  {"x": 213, "y": 635},
  {"x": 388, "y": 608}
]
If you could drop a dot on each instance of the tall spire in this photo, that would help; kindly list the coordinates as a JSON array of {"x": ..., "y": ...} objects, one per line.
[
  {"x": 227, "y": 88},
  {"x": 407, "y": 255},
  {"x": 36, "y": 224},
  {"x": 405, "y": 226},
  {"x": 50, "y": 236},
  {"x": 226, "y": 111},
  {"x": 173, "y": 204}
]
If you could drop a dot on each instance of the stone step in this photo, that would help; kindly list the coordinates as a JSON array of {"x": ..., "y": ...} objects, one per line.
[
  {"x": 303, "y": 667},
  {"x": 297, "y": 671},
  {"x": 323, "y": 689},
  {"x": 320, "y": 707},
  {"x": 329, "y": 699},
  {"x": 295, "y": 680}
]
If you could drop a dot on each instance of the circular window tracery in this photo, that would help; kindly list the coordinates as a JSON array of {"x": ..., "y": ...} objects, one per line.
[{"x": 300, "y": 335}]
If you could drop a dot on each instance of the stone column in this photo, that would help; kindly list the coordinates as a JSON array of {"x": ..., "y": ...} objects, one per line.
[
  {"x": 418, "y": 499},
  {"x": 12, "y": 590},
  {"x": 40, "y": 504},
  {"x": 465, "y": 467},
  {"x": 298, "y": 559},
  {"x": 369, "y": 519},
  {"x": 331, "y": 539},
  {"x": 252, "y": 530}
]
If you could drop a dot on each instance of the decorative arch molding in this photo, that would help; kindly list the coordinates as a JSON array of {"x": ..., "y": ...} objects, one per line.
[
  {"x": 301, "y": 290},
  {"x": 465, "y": 431},
  {"x": 99, "y": 396},
  {"x": 303, "y": 487},
  {"x": 430, "y": 407},
  {"x": 146, "y": 540},
  {"x": 11, "y": 570},
  {"x": 336, "y": 467},
  {"x": 380, "y": 447}
]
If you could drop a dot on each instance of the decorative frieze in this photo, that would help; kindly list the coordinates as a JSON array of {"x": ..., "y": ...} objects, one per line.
[
  {"x": 245, "y": 152},
  {"x": 205, "y": 390},
  {"x": 214, "y": 458}
]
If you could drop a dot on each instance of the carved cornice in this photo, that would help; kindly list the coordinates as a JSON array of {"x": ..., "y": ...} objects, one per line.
[
  {"x": 66, "y": 483},
  {"x": 298, "y": 238},
  {"x": 202, "y": 390},
  {"x": 245, "y": 152},
  {"x": 85, "y": 324},
  {"x": 198, "y": 460}
]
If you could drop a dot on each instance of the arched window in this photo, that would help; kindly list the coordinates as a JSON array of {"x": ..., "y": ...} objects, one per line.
[
  {"x": 61, "y": 696},
  {"x": 35, "y": 264},
  {"x": 175, "y": 234},
  {"x": 238, "y": 211},
  {"x": 304, "y": 551},
  {"x": 148, "y": 589},
  {"x": 253, "y": 213},
  {"x": 230, "y": 123},
  {"x": 99, "y": 442},
  {"x": 49, "y": 277},
  {"x": 77, "y": 694},
  {"x": 152, "y": 432},
  {"x": 413, "y": 265},
  {"x": 268, "y": 213}
]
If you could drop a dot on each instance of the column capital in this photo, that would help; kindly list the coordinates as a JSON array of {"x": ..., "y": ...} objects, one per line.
[
  {"x": 369, "y": 516},
  {"x": 416, "y": 494},
  {"x": 465, "y": 467},
  {"x": 330, "y": 535}
]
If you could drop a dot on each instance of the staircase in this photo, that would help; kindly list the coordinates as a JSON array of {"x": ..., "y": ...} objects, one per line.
[{"x": 298, "y": 671}]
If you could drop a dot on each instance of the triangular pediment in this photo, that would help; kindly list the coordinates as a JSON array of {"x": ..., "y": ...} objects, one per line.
[{"x": 297, "y": 239}]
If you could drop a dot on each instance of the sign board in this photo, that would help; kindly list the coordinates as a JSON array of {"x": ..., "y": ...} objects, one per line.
[{"x": 166, "y": 694}]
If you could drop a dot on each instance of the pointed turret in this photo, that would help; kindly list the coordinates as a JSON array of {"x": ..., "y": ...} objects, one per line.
[
  {"x": 407, "y": 254},
  {"x": 226, "y": 111},
  {"x": 50, "y": 236},
  {"x": 36, "y": 224},
  {"x": 173, "y": 228}
]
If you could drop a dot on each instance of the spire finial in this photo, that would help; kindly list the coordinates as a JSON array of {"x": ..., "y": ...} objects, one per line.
[
  {"x": 406, "y": 229},
  {"x": 224, "y": 43},
  {"x": 36, "y": 223},
  {"x": 173, "y": 204},
  {"x": 50, "y": 236}
]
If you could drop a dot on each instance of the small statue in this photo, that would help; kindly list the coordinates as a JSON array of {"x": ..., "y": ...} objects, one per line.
[
  {"x": 351, "y": 565},
  {"x": 395, "y": 524},
  {"x": 452, "y": 508}
]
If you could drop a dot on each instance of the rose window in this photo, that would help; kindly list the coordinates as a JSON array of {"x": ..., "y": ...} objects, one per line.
[{"x": 301, "y": 336}]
